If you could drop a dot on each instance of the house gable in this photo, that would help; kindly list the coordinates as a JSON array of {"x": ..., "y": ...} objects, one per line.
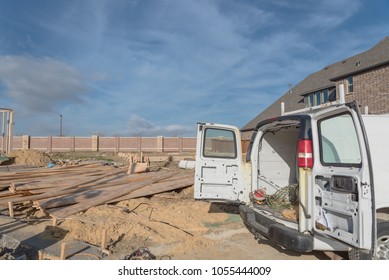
[{"x": 360, "y": 65}]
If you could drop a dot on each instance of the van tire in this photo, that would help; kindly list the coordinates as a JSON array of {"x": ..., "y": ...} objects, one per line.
[
  {"x": 358, "y": 254},
  {"x": 382, "y": 249}
]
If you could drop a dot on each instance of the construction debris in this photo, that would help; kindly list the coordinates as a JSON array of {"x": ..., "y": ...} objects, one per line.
[
  {"x": 137, "y": 163},
  {"x": 187, "y": 164},
  {"x": 63, "y": 191},
  {"x": 141, "y": 254}
]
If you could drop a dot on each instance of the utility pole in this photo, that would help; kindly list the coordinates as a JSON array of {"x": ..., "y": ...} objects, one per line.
[{"x": 60, "y": 125}]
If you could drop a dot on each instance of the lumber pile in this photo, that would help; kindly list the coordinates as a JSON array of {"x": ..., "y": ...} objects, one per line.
[
  {"x": 63, "y": 191},
  {"x": 137, "y": 163}
]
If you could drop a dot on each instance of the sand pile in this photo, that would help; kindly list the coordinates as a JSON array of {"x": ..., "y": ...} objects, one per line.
[
  {"x": 168, "y": 226},
  {"x": 30, "y": 157}
]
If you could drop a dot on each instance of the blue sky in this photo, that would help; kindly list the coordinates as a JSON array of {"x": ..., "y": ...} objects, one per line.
[{"x": 157, "y": 67}]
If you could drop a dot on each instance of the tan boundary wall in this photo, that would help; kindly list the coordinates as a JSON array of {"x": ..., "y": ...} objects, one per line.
[{"x": 158, "y": 144}]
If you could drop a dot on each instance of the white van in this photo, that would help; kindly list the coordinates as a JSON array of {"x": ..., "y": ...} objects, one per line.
[{"x": 329, "y": 161}]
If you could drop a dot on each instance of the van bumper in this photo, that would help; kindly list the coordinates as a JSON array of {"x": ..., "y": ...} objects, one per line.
[{"x": 274, "y": 231}]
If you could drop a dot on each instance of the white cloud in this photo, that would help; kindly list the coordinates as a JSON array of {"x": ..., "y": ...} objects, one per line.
[
  {"x": 40, "y": 84},
  {"x": 139, "y": 126},
  {"x": 331, "y": 13}
]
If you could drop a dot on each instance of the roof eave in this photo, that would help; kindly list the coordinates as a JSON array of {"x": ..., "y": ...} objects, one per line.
[{"x": 318, "y": 89}]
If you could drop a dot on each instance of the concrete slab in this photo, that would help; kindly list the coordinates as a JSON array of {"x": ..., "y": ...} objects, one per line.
[{"x": 23, "y": 240}]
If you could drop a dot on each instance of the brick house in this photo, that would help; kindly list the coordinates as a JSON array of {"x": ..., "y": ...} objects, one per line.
[{"x": 365, "y": 77}]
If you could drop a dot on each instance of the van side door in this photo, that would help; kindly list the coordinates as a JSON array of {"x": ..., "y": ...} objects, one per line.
[
  {"x": 218, "y": 172},
  {"x": 343, "y": 186}
]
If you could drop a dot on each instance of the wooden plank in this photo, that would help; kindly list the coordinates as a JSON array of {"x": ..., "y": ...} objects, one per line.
[
  {"x": 137, "y": 167},
  {"x": 6, "y": 193},
  {"x": 74, "y": 198},
  {"x": 11, "y": 209},
  {"x": 158, "y": 158},
  {"x": 156, "y": 188},
  {"x": 104, "y": 196},
  {"x": 55, "y": 183},
  {"x": 88, "y": 191},
  {"x": 54, "y": 171},
  {"x": 54, "y": 192},
  {"x": 79, "y": 197},
  {"x": 23, "y": 178}
]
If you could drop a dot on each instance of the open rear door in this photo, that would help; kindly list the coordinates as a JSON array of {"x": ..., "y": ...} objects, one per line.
[
  {"x": 218, "y": 174},
  {"x": 343, "y": 183}
]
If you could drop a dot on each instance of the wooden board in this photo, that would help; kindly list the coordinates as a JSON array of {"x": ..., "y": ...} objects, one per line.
[
  {"x": 156, "y": 188},
  {"x": 104, "y": 196}
]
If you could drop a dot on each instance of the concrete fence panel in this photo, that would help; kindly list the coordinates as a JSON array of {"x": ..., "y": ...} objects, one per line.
[
  {"x": 158, "y": 144},
  {"x": 17, "y": 142},
  {"x": 189, "y": 144},
  {"x": 172, "y": 144},
  {"x": 129, "y": 144},
  {"x": 83, "y": 144},
  {"x": 40, "y": 143},
  {"x": 61, "y": 144},
  {"x": 148, "y": 144}
]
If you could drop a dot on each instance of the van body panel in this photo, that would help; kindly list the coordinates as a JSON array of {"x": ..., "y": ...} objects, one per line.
[{"x": 379, "y": 149}]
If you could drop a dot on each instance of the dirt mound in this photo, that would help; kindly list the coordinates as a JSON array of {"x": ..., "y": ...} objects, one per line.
[
  {"x": 167, "y": 225},
  {"x": 30, "y": 157}
]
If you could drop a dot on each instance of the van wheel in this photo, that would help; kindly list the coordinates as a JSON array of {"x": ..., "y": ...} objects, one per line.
[{"x": 382, "y": 249}]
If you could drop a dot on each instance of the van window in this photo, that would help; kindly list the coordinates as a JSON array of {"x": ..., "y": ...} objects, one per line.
[
  {"x": 339, "y": 142},
  {"x": 219, "y": 143}
]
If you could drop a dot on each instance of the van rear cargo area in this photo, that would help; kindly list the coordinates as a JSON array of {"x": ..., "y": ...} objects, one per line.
[
  {"x": 277, "y": 158},
  {"x": 277, "y": 177}
]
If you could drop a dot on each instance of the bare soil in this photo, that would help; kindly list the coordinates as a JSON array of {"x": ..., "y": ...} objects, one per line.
[
  {"x": 30, "y": 157},
  {"x": 173, "y": 226}
]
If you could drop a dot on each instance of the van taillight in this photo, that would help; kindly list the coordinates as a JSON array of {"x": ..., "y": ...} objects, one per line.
[{"x": 305, "y": 153}]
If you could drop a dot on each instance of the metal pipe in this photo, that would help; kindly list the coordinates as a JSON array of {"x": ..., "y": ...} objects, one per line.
[
  {"x": 60, "y": 125},
  {"x": 10, "y": 130},
  {"x": 282, "y": 108},
  {"x": 342, "y": 98}
]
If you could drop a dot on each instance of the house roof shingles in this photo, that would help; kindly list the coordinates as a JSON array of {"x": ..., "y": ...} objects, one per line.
[{"x": 375, "y": 57}]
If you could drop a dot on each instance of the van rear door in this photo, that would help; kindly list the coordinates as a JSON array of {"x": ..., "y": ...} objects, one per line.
[
  {"x": 218, "y": 173},
  {"x": 343, "y": 184}
]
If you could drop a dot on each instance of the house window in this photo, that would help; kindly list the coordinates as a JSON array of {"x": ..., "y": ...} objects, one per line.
[
  {"x": 319, "y": 97},
  {"x": 311, "y": 100},
  {"x": 350, "y": 84},
  {"x": 325, "y": 95}
]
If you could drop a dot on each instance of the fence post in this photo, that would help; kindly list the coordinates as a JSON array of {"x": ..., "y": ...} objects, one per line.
[
  {"x": 95, "y": 143},
  {"x": 49, "y": 143},
  {"x": 117, "y": 148},
  {"x": 160, "y": 141},
  {"x": 25, "y": 142},
  {"x": 181, "y": 144},
  {"x": 73, "y": 144},
  {"x": 139, "y": 144}
]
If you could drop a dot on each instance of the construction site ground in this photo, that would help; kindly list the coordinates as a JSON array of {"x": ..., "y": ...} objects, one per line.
[{"x": 172, "y": 225}]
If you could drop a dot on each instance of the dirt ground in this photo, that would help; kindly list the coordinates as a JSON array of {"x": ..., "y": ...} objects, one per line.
[{"x": 171, "y": 225}]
